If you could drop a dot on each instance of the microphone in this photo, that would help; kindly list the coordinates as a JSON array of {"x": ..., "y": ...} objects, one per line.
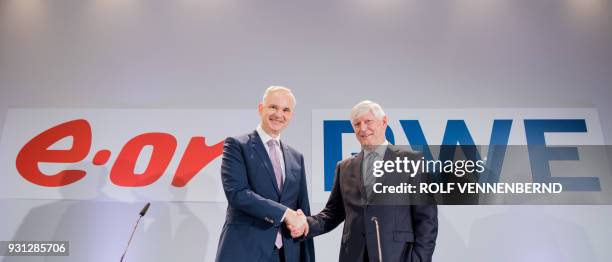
[
  {"x": 142, "y": 213},
  {"x": 145, "y": 209},
  {"x": 375, "y": 220}
]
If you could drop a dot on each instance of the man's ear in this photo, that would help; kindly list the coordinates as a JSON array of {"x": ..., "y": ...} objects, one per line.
[
  {"x": 385, "y": 121},
  {"x": 260, "y": 108}
]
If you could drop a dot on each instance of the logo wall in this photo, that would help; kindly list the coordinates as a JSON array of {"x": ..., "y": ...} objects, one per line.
[
  {"x": 334, "y": 139},
  {"x": 117, "y": 154},
  {"x": 174, "y": 155}
]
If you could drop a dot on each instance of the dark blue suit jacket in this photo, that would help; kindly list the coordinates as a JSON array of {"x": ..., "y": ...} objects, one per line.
[
  {"x": 408, "y": 232},
  {"x": 255, "y": 205}
]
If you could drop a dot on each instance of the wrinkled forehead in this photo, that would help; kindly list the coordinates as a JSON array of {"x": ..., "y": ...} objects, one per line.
[{"x": 364, "y": 116}]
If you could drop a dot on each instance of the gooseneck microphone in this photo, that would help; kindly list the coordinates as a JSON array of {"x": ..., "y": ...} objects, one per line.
[
  {"x": 142, "y": 213},
  {"x": 145, "y": 209},
  {"x": 375, "y": 220}
]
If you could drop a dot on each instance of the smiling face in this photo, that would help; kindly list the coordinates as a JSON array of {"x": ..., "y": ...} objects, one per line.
[
  {"x": 276, "y": 111},
  {"x": 369, "y": 130}
]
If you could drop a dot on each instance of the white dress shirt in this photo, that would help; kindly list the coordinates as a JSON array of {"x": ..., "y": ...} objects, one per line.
[
  {"x": 380, "y": 150},
  {"x": 265, "y": 138}
]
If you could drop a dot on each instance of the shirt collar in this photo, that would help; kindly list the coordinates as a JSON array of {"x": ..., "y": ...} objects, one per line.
[
  {"x": 264, "y": 136},
  {"x": 381, "y": 149}
]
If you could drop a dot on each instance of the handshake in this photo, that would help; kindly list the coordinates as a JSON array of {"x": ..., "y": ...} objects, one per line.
[{"x": 296, "y": 223}]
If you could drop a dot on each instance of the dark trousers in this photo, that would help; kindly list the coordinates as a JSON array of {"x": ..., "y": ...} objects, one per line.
[{"x": 405, "y": 257}]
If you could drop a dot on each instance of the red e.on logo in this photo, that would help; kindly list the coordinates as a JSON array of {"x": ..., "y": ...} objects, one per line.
[{"x": 195, "y": 158}]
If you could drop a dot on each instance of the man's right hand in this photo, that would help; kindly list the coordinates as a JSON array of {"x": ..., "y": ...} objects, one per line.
[{"x": 296, "y": 223}]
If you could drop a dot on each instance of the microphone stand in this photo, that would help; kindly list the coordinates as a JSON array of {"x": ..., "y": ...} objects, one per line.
[
  {"x": 142, "y": 213},
  {"x": 375, "y": 220}
]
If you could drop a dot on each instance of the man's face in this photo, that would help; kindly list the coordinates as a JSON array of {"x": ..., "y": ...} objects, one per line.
[
  {"x": 369, "y": 130},
  {"x": 276, "y": 111}
]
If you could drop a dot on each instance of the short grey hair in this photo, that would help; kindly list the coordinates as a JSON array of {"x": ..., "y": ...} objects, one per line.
[
  {"x": 272, "y": 89},
  {"x": 365, "y": 107}
]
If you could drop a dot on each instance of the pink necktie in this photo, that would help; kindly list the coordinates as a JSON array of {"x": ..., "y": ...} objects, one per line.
[{"x": 276, "y": 165}]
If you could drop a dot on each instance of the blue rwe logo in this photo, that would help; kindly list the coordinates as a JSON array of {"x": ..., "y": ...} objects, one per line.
[{"x": 457, "y": 133}]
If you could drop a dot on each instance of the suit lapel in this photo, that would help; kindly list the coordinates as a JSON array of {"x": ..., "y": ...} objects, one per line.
[
  {"x": 390, "y": 155},
  {"x": 355, "y": 168},
  {"x": 259, "y": 148},
  {"x": 290, "y": 177}
]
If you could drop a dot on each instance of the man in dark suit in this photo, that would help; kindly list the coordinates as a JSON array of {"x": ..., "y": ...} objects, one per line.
[
  {"x": 265, "y": 182},
  {"x": 407, "y": 232}
]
